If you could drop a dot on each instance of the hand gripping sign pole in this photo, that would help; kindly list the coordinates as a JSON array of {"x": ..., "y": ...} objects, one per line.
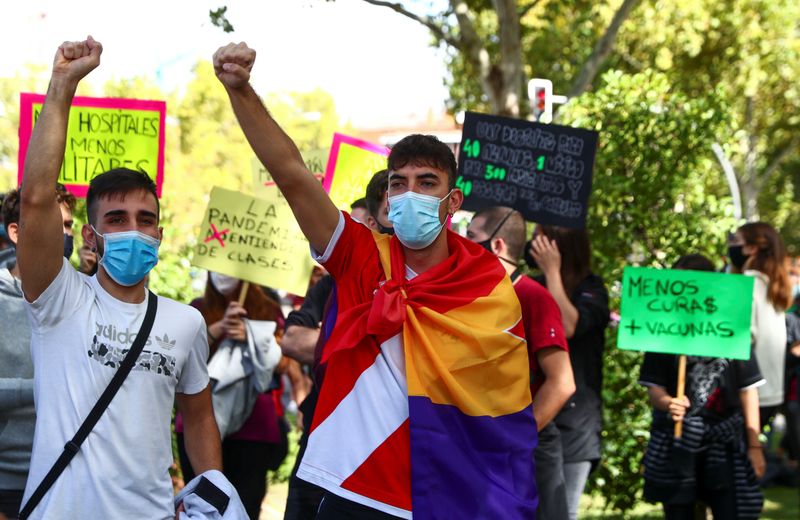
[
  {"x": 681, "y": 391},
  {"x": 243, "y": 292}
]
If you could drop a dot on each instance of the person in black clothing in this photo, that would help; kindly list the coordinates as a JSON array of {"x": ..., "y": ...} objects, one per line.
[
  {"x": 718, "y": 456},
  {"x": 564, "y": 257}
]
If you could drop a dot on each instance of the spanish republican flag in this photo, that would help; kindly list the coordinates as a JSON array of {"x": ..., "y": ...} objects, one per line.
[{"x": 425, "y": 410}]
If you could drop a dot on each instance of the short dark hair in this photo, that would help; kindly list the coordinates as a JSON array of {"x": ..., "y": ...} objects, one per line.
[
  {"x": 65, "y": 197},
  {"x": 11, "y": 208},
  {"x": 11, "y": 202},
  {"x": 424, "y": 150},
  {"x": 376, "y": 189},
  {"x": 118, "y": 183},
  {"x": 505, "y": 223},
  {"x": 359, "y": 203},
  {"x": 694, "y": 262}
]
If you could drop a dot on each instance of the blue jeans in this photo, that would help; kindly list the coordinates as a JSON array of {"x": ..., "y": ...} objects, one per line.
[{"x": 575, "y": 476}]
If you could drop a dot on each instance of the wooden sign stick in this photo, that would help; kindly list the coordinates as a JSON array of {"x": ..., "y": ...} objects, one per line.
[
  {"x": 680, "y": 392},
  {"x": 243, "y": 292}
]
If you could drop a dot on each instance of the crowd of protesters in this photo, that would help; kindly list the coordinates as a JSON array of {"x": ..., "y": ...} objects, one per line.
[{"x": 388, "y": 426}]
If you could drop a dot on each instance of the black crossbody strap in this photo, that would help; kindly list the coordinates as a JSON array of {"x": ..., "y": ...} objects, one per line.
[{"x": 73, "y": 446}]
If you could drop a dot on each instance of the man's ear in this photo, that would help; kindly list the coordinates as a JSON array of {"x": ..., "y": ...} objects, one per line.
[
  {"x": 89, "y": 238},
  {"x": 160, "y": 233},
  {"x": 499, "y": 246},
  {"x": 12, "y": 230},
  {"x": 455, "y": 201},
  {"x": 372, "y": 223}
]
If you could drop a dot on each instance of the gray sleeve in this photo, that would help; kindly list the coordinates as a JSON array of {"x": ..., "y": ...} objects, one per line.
[{"x": 15, "y": 392}]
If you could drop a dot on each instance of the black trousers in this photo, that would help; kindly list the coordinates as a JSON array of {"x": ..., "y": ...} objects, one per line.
[
  {"x": 337, "y": 508},
  {"x": 302, "y": 501},
  {"x": 550, "y": 475},
  {"x": 10, "y": 502},
  {"x": 245, "y": 464}
]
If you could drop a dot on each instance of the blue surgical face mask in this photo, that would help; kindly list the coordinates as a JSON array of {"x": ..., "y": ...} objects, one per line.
[
  {"x": 415, "y": 218},
  {"x": 128, "y": 256}
]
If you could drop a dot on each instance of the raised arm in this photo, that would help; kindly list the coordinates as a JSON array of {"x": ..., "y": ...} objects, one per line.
[
  {"x": 311, "y": 206},
  {"x": 40, "y": 248}
]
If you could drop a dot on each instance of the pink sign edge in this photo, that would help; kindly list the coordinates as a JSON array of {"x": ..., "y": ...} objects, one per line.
[
  {"x": 338, "y": 140},
  {"x": 27, "y": 99}
]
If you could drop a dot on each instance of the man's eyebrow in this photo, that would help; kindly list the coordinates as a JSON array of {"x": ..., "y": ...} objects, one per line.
[
  {"x": 145, "y": 213},
  {"x": 428, "y": 175},
  {"x": 393, "y": 175},
  {"x": 115, "y": 213}
]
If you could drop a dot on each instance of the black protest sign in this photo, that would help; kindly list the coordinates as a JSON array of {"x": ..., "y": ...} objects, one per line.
[{"x": 543, "y": 171}]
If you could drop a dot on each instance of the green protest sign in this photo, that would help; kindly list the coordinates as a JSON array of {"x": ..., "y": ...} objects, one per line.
[{"x": 686, "y": 312}]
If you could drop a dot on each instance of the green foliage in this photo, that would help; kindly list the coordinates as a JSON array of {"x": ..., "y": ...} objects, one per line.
[
  {"x": 284, "y": 472},
  {"x": 219, "y": 19},
  {"x": 656, "y": 195}
]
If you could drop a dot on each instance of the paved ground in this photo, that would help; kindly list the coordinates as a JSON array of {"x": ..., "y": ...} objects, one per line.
[{"x": 274, "y": 502}]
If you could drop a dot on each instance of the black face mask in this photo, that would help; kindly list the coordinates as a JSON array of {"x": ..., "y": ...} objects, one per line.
[
  {"x": 738, "y": 258},
  {"x": 486, "y": 244},
  {"x": 530, "y": 261},
  {"x": 69, "y": 246},
  {"x": 384, "y": 230}
]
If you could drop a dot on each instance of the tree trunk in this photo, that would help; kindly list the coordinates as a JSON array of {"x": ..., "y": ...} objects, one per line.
[{"x": 511, "y": 67}]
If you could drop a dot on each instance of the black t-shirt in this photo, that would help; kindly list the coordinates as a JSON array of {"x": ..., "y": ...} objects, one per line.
[
  {"x": 580, "y": 421},
  {"x": 310, "y": 313},
  {"x": 712, "y": 384}
]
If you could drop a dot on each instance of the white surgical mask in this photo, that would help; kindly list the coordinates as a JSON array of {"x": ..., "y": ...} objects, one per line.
[{"x": 223, "y": 283}]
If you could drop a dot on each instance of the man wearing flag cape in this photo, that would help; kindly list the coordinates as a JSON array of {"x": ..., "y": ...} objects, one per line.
[{"x": 425, "y": 407}]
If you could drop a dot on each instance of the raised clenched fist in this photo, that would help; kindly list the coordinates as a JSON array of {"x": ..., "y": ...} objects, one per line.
[
  {"x": 233, "y": 63},
  {"x": 74, "y": 60}
]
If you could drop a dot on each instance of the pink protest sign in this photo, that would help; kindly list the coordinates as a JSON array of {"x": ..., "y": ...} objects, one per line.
[
  {"x": 103, "y": 133},
  {"x": 351, "y": 164}
]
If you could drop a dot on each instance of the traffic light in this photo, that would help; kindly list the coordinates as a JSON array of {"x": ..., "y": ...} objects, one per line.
[{"x": 540, "y": 92}]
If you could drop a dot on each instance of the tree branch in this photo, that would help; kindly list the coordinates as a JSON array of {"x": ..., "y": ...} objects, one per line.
[
  {"x": 779, "y": 157},
  {"x": 601, "y": 50},
  {"x": 524, "y": 10},
  {"x": 427, "y": 21}
]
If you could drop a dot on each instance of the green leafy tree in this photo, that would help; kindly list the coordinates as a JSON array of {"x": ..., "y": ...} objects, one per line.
[
  {"x": 656, "y": 195},
  {"x": 748, "y": 51}
]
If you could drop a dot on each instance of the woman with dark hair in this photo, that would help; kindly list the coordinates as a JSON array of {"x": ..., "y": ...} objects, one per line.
[
  {"x": 260, "y": 443},
  {"x": 564, "y": 257},
  {"x": 757, "y": 250}
]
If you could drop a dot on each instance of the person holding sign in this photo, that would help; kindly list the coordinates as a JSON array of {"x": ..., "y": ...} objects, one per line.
[
  {"x": 717, "y": 457},
  {"x": 84, "y": 327},
  {"x": 426, "y": 405},
  {"x": 501, "y": 230},
  {"x": 564, "y": 257},
  {"x": 256, "y": 438},
  {"x": 758, "y": 251}
]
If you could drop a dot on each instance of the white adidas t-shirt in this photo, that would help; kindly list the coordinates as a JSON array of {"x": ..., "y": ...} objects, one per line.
[{"x": 79, "y": 336}]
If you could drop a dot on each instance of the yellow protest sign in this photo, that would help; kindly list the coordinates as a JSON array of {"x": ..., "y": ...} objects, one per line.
[
  {"x": 315, "y": 162},
  {"x": 351, "y": 165},
  {"x": 102, "y": 134},
  {"x": 255, "y": 239}
]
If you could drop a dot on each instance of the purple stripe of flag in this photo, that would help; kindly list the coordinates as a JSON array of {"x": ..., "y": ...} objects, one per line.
[{"x": 471, "y": 467}]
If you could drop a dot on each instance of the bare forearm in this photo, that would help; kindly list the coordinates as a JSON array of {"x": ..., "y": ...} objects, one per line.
[
  {"x": 752, "y": 419},
  {"x": 549, "y": 400},
  {"x": 569, "y": 314},
  {"x": 202, "y": 441},
  {"x": 47, "y": 143},
  {"x": 299, "y": 343},
  {"x": 659, "y": 398},
  {"x": 272, "y": 146}
]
